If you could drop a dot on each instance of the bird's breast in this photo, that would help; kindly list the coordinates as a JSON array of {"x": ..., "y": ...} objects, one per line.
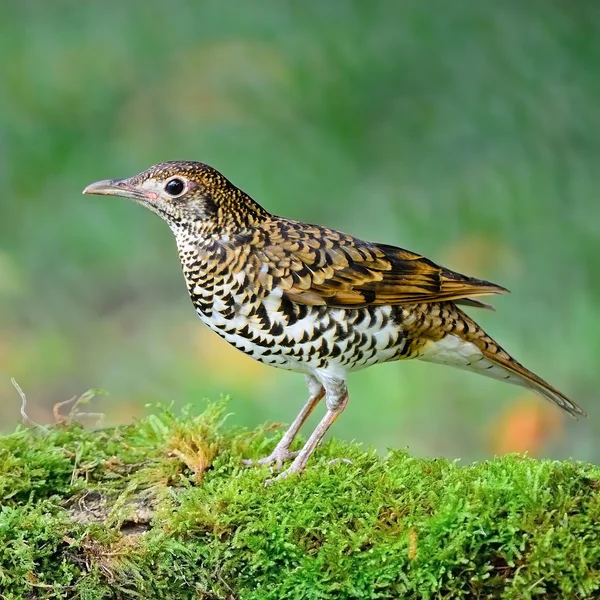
[
  {"x": 277, "y": 331},
  {"x": 273, "y": 329}
]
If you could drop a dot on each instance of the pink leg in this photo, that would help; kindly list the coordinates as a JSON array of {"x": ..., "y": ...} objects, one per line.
[
  {"x": 282, "y": 452},
  {"x": 314, "y": 440}
]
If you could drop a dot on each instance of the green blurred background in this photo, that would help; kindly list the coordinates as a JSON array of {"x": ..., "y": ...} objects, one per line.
[{"x": 468, "y": 131}]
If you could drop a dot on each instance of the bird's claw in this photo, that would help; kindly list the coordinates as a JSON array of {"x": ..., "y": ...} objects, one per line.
[
  {"x": 275, "y": 460},
  {"x": 296, "y": 468},
  {"x": 283, "y": 475},
  {"x": 336, "y": 460}
]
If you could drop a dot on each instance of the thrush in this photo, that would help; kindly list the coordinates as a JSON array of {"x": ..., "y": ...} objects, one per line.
[{"x": 314, "y": 300}]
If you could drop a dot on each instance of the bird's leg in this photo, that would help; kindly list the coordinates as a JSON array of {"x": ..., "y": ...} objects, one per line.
[
  {"x": 336, "y": 399},
  {"x": 282, "y": 452}
]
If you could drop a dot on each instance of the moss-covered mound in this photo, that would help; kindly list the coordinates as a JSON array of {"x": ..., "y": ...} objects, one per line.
[{"x": 164, "y": 509}]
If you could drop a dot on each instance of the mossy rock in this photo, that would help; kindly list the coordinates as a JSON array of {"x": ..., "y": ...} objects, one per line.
[{"x": 164, "y": 508}]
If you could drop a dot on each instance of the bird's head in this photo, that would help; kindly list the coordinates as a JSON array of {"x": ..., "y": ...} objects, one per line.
[{"x": 187, "y": 195}]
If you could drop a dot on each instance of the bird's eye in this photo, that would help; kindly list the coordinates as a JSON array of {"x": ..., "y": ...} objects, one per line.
[{"x": 175, "y": 187}]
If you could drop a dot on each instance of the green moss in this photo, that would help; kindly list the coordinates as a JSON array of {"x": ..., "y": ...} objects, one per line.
[{"x": 163, "y": 508}]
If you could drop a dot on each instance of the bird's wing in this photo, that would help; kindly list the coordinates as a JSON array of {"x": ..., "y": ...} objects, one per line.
[{"x": 315, "y": 265}]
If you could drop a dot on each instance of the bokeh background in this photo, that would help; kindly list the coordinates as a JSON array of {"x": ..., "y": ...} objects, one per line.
[{"x": 468, "y": 131}]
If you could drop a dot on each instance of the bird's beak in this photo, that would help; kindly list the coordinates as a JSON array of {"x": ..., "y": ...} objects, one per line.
[{"x": 114, "y": 187}]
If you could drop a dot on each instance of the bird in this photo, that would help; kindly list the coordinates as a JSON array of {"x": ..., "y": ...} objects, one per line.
[{"x": 314, "y": 300}]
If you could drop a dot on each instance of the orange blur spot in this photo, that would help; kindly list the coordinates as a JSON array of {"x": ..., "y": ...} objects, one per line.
[{"x": 526, "y": 426}]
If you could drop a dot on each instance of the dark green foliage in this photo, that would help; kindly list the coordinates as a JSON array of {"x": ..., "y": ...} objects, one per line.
[{"x": 164, "y": 509}]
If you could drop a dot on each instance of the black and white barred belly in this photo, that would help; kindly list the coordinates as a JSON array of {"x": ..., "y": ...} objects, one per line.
[{"x": 276, "y": 331}]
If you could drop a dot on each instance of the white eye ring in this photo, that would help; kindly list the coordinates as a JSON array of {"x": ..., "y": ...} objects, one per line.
[{"x": 176, "y": 186}]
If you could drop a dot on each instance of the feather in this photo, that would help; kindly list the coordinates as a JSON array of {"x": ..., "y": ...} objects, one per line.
[{"x": 356, "y": 273}]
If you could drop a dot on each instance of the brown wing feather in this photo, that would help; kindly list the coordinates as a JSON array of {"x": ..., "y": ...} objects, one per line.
[{"x": 318, "y": 266}]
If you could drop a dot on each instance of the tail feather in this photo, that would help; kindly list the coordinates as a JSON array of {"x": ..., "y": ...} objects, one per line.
[
  {"x": 474, "y": 303},
  {"x": 472, "y": 349},
  {"x": 516, "y": 373}
]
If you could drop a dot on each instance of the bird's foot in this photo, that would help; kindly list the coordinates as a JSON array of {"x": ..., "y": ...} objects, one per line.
[
  {"x": 293, "y": 468},
  {"x": 275, "y": 460},
  {"x": 296, "y": 467}
]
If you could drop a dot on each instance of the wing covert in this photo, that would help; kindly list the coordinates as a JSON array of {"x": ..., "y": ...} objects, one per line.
[{"x": 315, "y": 265}]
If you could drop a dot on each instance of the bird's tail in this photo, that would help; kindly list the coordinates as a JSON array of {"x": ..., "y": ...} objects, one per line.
[
  {"x": 469, "y": 347},
  {"x": 516, "y": 373}
]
